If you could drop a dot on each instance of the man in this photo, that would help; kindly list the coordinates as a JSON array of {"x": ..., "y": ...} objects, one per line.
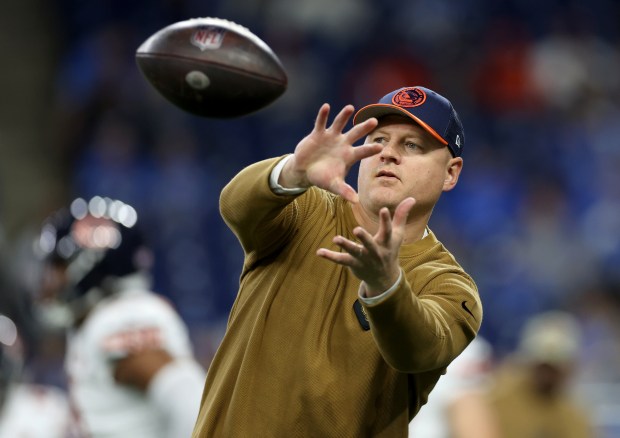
[
  {"x": 129, "y": 358},
  {"x": 27, "y": 409},
  {"x": 530, "y": 395},
  {"x": 458, "y": 406},
  {"x": 345, "y": 341}
]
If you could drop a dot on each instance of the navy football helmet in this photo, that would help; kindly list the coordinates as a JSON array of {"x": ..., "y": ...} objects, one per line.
[{"x": 93, "y": 243}]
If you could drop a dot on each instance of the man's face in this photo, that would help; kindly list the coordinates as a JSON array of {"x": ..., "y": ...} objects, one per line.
[{"x": 412, "y": 163}]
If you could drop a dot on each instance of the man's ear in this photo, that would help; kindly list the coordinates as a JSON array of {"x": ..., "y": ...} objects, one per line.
[{"x": 453, "y": 170}]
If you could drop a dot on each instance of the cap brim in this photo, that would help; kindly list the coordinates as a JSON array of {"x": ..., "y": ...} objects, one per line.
[{"x": 378, "y": 110}]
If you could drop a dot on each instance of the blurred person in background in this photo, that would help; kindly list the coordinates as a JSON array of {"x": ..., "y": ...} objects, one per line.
[
  {"x": 530, "y": 393},
  {"x": 15, "y": 298},
  {"x": 349, "y": 308},
  {"x": 26, "y": 409},
  {"x": 458, "y": 406},
  {"x": 129, "y": 359}
]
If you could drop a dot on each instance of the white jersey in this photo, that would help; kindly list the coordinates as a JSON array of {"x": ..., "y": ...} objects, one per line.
[
  {"x": 127, "y": 322},
  {"x": 35, "y": 411},
  {"x": 469, "y": 371}
]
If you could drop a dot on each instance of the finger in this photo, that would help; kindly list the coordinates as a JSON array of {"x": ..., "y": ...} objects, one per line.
[
  {"x": 402, "y": 212},
  {"x": 364, "y": 237},
  {"x": 341, "y": 120},
  {"x": 366, "y": 150},
  {"x": 342, "y": 258},
  {"x": 353, "y": 248},
  {"x": 384, "y": 234},
  {"x": 340, "y": 187},
  {"x": 321, "y": 119},
  {"x": 361, "y": 130}
]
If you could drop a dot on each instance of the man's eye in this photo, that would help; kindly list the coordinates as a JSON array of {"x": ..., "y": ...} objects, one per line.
[
  {"x": 411, "y": 145},
  {"x": 379, "y": 140}
]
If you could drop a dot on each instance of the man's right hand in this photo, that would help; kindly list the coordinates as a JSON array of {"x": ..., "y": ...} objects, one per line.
[{"x": 324, "y": 157}]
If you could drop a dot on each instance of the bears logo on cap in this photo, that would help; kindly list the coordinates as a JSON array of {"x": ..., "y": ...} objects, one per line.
[{"x": 409, "y": 97}]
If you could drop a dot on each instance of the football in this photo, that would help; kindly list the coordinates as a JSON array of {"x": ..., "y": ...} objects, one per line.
[{"x": 212, "y": 67}]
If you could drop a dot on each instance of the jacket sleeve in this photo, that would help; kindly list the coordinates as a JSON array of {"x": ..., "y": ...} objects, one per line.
[
  {"x": 261, "y": 219},
  {"x": 426, "y": 332}
]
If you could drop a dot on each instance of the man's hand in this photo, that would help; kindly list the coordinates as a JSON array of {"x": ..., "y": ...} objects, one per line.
[
  {"x": 324, "y": 157},
  {"x": 375, "y": 259}
]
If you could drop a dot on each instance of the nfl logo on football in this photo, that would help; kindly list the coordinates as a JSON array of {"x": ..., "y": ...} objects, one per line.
[{"x": 208, "y": 37}]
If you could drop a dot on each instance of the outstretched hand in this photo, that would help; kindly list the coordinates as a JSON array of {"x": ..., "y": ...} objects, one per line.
[
  {"x": 374, "y": 259},
  {"x": 324, "y": 157}
]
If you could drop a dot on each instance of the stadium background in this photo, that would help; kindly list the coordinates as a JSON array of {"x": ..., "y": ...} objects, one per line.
[{"x": 535, "y": 217}]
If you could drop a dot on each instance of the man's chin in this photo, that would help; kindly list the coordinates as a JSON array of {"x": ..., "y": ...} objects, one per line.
[{"x": 383, "y": 197}]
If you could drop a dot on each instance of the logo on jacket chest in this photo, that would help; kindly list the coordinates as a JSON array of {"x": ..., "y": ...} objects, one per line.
[{"x": 362, "y": 317}]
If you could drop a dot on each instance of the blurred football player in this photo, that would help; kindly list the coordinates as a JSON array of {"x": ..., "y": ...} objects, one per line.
[
  {"x": 129, "y": 359},
  {"x": 26, "y": 409},
  {"x": 532, "y": 394},
  {"x": 457, "y": 407}
]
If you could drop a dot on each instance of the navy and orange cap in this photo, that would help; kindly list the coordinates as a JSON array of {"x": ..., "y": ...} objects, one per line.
[{"x": 429, "y": 109}]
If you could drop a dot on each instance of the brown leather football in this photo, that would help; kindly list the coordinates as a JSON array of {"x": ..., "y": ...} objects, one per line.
[{"x": 212, "y": 67}]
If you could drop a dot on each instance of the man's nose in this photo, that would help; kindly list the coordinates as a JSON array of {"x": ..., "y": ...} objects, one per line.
[{"x": 390, "y": 152}]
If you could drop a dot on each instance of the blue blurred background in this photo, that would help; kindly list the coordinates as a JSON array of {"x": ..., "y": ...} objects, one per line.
[{"x": 536, "y": 215}]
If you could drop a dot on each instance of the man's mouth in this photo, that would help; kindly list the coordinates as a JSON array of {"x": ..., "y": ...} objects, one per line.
[{"x": 386, "y": 174}]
